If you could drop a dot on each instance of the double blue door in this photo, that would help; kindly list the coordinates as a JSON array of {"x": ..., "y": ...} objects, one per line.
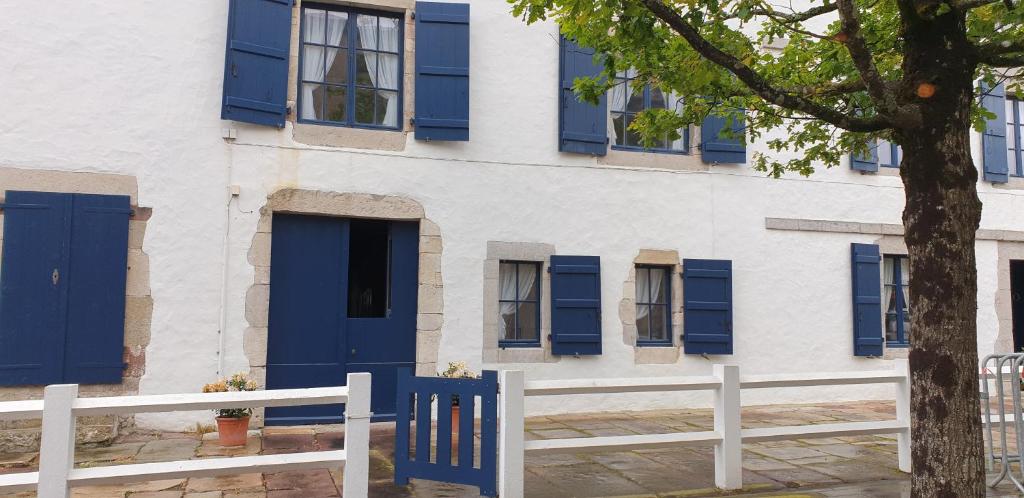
[{"x": 342, "y": 299}]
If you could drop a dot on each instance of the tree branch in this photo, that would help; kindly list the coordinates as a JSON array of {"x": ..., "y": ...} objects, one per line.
[
  {"x": 965, "y": 5},
  {"x": 1003, "y": 60},
  {"x": 796, "y": 16},
  {"x": 755, "y": 81},
  {"x": 993, "y": 49},
  {"x": 862, "y": 58}
]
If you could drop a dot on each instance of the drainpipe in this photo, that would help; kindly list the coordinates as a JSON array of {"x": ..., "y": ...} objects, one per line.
[{"x": 225, "y": 254}]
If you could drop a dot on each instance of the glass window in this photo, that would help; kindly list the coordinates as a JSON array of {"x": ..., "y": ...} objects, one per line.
[
  {"x": 626, "y": 100},
  {"x": 896, "y": 300},
  {"x": 1014, "y": 129},
  {"x": 519, "y": 303},
  {"x": 889, "y": 154},
  {"x": 653, "y": 315},
  {"x": 351, "y": 67}
]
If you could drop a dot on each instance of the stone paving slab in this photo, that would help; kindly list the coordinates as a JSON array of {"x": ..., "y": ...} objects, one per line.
[{"x": 840, "y": 467}]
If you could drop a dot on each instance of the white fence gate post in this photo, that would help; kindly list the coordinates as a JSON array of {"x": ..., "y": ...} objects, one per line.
[
  {"x": 57, "y": 448},
  {"x": 357, "y": 436},
  {"x": 729, "y": 452},
  {"x": 511, "y": 429},
  {"x": 903, "y": 413}
]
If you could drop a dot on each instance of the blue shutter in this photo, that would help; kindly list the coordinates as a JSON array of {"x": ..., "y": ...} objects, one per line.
[
  {"x": 575, "y": 305},
  {"x": 868, "y": 161},
  {"x": 867, "y": 300},
  {"x": 32, "y": 280},
  {"x": 442, "y": 71},
  {"x": 717, "y": 149},
  {"x": 96, "y": 289},
  {"x": 582, "y": 127},
  {"x": 256, "y": 63},
  {"x": 993, "y": 141},
  {"x": 707, "y": 306}
]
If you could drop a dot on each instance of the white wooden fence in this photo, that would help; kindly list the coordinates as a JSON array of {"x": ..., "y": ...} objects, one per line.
[
  {"x": 61, "y": 405},
  {"x": 727, "y": 435}
]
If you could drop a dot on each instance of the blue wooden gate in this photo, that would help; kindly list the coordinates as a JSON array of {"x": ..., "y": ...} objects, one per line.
[{"x": 453, "y": 462}]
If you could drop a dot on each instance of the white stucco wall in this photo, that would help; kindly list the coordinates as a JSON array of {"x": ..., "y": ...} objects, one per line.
[{"x": 135, "y": 88}]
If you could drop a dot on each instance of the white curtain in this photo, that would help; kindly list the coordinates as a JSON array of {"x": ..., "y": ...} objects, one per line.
[
  {"x": 387, "y": 72},
  {"x": 313, "y": 68},
  {"x": 888, "y": 273},
  {"x": 648, "y": 279},
  {"x": 905, "y": 284},
  {"x": 507, "y": 292},
  {"x": 616, "y": 102}
]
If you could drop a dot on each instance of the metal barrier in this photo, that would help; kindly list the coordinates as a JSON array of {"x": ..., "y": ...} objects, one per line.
[
  {"x": 61, "y": 405},
  {"x": 727, "y": 437},
  {"x": 1007, "y": 368}
]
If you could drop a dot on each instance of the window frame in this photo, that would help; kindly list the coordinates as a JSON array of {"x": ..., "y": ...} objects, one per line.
[
  {"x": 1015, "y": 169},
  {"x": 351, "y": 51},
  {"x": 647, "y": 105},
  {"x": 895, "y": 154},
  {"x": 667, "y": 288},
  {"x": 521, "y": 343},
  {"x": 902, "y": 341}
]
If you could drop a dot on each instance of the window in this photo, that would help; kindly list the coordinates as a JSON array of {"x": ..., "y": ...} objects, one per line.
[
  {"x": 1014, "y": 128},
  {"x": 889, "y": 154},
  {"x": 653, "y": 319},
  {"x": 896, "y": 299},
  {"x": 626, "y": 100},
  {"x": 519, "y": 303},
  {"x": 351, "y": 67}
]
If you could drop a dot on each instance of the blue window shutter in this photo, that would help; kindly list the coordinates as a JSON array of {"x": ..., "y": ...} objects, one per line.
[
  {"x": 993, "y": 141},
  {"x": 582, "y": 127},
  {"x": 575, "y": 305},
  {"x": 707, "y": 306},
  {"x": 256, "y": 63},
  {"x": 442, "y": 71},
  {"x": 867, "y": 300},
  {"x": 718, "y": 149},
  {"x": 32, "y": 283},
  {"x": 868, "y": 161},
  {"x": 96, "y": 289}
]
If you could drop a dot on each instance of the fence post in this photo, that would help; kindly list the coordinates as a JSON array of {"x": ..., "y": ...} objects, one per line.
[
  {"x": 357, "y": 436},
  {"x": 57, "y": 448},
  {"x": 511, "y": 433},
  {"x": 903, "y": 413},
  {"x": 729, "y": 452}
]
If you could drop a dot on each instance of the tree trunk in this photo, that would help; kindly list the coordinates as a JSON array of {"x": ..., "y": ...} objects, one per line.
[{"x": 941, "y": 217}]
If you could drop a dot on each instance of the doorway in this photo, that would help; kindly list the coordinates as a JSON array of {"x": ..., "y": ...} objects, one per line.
[{"x": 342, "y": 299}]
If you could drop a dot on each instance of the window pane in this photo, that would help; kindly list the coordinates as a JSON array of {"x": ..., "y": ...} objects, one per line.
[
  {"x": 337, "y": 103},
  {"x": 884, "y": 152},
  {"x": 635, "y": 99},
  {"x": 364, "y": 110},
  {"x": 336, "y": 22},
  {"x": 387, "y": 71},
  {"x": 366, "y": 68},
  {"x": 337, "y": 62},
  {"x": 314, "y": 26},
  {"x": 387, "y": 108},
  {"x": 313, "y": 63},
  {"x": 389, "y": 31},
  {"x": 643, "y": 287},
  {"x": 619, "y": 125},
  {"x": 367, "y": 26},
  {"x": 659, "y": 325},
  {"x": 507, "y": 321},
  {"x": 1009, "y": 110},
  {"x": 528, "y": 282},
  {"x": 507, "y": 281},
  {"x": 643, "y": 322},
  {"x": 528, "y": 321},
  {"x": 891, "y": 328},
  {"x": 617, "y": 96},
  {"x": 657, "y": 99},
  {"x": 312, "y": 101},
  {"x": 632, "y": 137},
  {"x": 658, "y": 285}
]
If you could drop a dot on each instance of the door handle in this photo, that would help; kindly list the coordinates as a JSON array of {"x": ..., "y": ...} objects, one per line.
[{"x": 55, "y": 277}]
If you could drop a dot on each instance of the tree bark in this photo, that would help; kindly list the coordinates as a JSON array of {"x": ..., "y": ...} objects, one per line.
[{"x": 941, "y": 218}]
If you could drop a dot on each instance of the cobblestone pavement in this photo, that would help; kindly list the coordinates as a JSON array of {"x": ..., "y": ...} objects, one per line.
[{"x": 862, "y": 466}]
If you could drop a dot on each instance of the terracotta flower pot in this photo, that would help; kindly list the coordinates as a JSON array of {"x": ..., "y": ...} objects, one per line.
[
  {"x": 455, "y": 424},
  {"x": 232, "y": 431}
]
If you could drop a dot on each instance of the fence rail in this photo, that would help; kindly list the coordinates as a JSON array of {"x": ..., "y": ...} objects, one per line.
[
  {"x": 727, "y": 436},
  {"x": 61, "y": 405}
]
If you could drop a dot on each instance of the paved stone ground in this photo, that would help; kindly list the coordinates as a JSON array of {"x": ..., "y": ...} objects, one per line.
[{"x": 834, "y": 467}]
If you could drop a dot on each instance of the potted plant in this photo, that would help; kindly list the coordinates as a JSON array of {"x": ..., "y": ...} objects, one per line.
[
  {"x": 455, "y": 370},
  {"x": 232, "y": 423}
]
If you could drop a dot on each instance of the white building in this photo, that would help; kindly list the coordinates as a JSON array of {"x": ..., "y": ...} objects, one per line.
[{"x": 390, "y": 250}]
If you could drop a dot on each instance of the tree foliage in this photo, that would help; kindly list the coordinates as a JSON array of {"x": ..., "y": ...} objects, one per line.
[{"x": 828, "y": 73}]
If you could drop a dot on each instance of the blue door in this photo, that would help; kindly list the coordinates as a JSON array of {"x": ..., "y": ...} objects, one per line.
[{"x": 342, "y": 299}]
